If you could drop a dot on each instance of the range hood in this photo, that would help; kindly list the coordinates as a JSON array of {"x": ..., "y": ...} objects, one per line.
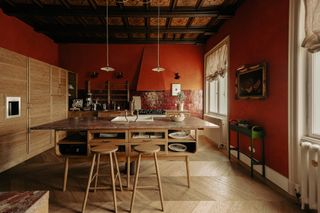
[{"x": 150, "y": 80}]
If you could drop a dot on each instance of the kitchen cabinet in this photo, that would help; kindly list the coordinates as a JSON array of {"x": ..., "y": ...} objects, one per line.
[
  {"x": 13, "y": 131},
  {"x": 39, "y": 105},
  {"x": 59, "y": 109},
  {"x": 42, "y": 90}
]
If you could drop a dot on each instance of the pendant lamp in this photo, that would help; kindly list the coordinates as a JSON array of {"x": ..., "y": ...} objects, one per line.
[
  {"x": 158, "y": 68},
  {"x": 107, "y": 68}
]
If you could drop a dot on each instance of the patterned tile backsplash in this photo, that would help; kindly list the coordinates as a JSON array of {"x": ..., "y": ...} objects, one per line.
[{"x": 164, "y": 100}]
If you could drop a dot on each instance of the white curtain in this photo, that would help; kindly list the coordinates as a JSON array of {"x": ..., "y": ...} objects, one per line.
[
  {"x": 312, "y": 25},
  {"x": 216, "y": 63}
]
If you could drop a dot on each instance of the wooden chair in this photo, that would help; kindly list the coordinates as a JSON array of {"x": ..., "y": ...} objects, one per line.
[
  {"x": 147, "y": 149},
  {"x": 97, "y": 151}
]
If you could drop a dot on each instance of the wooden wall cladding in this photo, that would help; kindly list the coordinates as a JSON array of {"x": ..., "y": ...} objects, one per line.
[
  {"x": 13, "y": 132},
  {"x": 36, "y": 83},
  {"x": 58, "y": 94},
  {"x": 40, "y": 105}
]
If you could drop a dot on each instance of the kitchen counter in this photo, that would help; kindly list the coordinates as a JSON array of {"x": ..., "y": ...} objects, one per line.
[
  {"x": 106, "y": 123},
  {"x": 125, "y": 135}
]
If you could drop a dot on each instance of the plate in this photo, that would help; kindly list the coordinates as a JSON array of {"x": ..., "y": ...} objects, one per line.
[
  {"x": 177, "y": 147},
  {"x": 108, "y": 135},
  {"x": 179, "y": 135}
]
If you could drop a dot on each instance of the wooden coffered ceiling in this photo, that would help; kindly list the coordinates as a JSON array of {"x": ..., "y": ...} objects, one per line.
[{"x": 130, "y": 21}]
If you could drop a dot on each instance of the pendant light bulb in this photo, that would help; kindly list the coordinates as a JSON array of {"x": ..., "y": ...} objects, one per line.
[
  {"x": 107, "y": 68},
  {"x": 158, "y": 68}
]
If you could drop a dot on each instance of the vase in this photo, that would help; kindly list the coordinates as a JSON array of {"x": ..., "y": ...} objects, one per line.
[{"x": 180, "y": 106}]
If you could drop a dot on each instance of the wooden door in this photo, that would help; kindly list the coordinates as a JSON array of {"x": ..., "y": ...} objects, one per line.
[
  {"x": 13, "y": 131},
  {"x": 40, "y": 106},
  {"x": 59, "y": 97}
]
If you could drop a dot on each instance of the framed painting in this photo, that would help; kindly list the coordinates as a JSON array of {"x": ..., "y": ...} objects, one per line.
[
  {"x": 251, "y": 82},
  {"x": 175, "y": 89}
]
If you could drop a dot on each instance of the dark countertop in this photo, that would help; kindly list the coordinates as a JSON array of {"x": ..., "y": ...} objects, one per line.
[{"x": 105, "y": 123}]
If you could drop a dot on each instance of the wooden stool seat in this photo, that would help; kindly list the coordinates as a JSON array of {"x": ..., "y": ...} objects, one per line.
[
  {"x": 104, "y": 149},
  {"x": 147, "y": 148}
]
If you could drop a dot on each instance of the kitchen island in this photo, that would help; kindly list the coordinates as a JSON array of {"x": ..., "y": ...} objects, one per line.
[{"x": 74, "y": 137}]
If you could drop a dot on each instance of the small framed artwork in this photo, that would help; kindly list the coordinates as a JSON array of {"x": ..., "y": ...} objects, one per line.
[
  {"x": 175, "y": 89},
  {"x": 251, "y": 82}
]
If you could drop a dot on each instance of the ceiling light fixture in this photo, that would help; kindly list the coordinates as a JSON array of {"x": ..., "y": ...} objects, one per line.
[
  {"x": 107, "y": 68},
  {"x": 158, "y": 68}
]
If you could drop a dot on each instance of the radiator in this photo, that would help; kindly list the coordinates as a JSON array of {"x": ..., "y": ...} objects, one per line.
[{"x": 310, "y": 175}]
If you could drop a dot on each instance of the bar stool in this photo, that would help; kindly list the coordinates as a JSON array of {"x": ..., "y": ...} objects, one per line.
[
  {"x": 147, "y": 149},
  {"x": 105, "y": 149}
]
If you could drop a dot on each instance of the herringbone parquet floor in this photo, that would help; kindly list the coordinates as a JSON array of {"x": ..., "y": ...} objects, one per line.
[{"x": 217, "y": 185}]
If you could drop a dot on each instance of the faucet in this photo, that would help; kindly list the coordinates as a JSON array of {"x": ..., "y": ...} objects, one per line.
[
  {"x": 137, "y": 115},
  {"x": 126, "y": 115}
]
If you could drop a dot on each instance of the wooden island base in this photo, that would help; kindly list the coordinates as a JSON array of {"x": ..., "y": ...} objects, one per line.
[{"x": 74, "y": 138}]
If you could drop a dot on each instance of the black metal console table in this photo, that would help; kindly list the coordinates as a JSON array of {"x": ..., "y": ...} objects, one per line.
[{"x": 253, "y": 132}]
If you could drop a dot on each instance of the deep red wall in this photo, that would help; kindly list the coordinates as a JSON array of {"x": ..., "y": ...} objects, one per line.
[
  {"x": 21, "y": 38},
  {"x": 185, "y": 59},
  {"x": 259, "y": 32}
]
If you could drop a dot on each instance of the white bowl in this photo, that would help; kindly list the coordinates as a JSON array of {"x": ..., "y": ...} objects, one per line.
[{"x": 177, "y": 118}]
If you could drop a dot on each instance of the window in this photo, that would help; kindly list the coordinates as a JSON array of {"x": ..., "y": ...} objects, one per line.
[
  {"x": 216, "y": 79},
  {"x": 314, "y": 94}
]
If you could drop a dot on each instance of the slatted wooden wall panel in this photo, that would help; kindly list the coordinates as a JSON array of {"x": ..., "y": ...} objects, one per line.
[
  {"x": 40, "y": 105},
  {"x": 58, "y": 94},
  {"x": 13, "y": 132},
  {"x": 43, "y": 92}
]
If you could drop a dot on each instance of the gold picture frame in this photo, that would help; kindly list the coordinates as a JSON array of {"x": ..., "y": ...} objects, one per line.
[{"x": 251, "y": 82}]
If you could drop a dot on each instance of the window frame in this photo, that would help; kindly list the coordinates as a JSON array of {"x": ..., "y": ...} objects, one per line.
[
  {"x": 310, "y": 91},
  {"x": 207, "y": 95}
]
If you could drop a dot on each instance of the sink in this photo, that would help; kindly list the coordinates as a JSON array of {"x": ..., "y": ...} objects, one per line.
[{"x": 132, "y": 118}]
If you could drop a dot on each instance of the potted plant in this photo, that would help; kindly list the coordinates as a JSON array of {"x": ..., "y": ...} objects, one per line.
[{"x": 180, "y": 100}]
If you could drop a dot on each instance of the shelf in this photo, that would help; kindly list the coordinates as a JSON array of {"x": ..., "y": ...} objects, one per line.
[{"x": 71, "y": 142}]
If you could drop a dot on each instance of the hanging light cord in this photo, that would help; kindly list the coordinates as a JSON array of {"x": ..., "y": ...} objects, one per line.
[
  {"x": 158, "y": 35},
  {"x": 107, "y": 30}
]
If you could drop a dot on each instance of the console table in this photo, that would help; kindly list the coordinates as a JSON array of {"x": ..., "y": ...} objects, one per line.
[{"x": 253, "y": 132}]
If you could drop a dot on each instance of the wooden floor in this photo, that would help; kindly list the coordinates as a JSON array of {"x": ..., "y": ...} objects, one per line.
[{"x": 217, "y": 185}]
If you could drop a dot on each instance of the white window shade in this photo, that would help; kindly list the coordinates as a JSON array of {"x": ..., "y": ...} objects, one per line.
[
  {"x": 216, "y": 64},
  {"x": 312, "y": 25}
]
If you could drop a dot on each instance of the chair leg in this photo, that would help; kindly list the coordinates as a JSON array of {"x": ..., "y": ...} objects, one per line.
[
  {"x": 113, "y": 184},
  {"x": 88, "y": 185},
  {"x": 65, "y": 178},
  {"x": 135, "y": 183},
  {"x": 97, "y": 173},
  {"x": 159, "y": 180},
  {"x": 128, "y": 172},
  {"x": 188, "y": 171},
  {"x": 118, "y": 171}
]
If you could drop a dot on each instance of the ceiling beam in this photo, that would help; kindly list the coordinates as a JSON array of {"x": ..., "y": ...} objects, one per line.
[
  {"x": 124, "y": 40},
  {"x": 119, "y": 29},
  {"x": 114, "y": 12}
]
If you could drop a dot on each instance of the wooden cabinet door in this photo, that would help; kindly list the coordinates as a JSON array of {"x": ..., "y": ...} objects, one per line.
[
  {"x": 58, "y": 94},
  {"x": 13, "y": 131},
  {"x": 40, "y": 105}
]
